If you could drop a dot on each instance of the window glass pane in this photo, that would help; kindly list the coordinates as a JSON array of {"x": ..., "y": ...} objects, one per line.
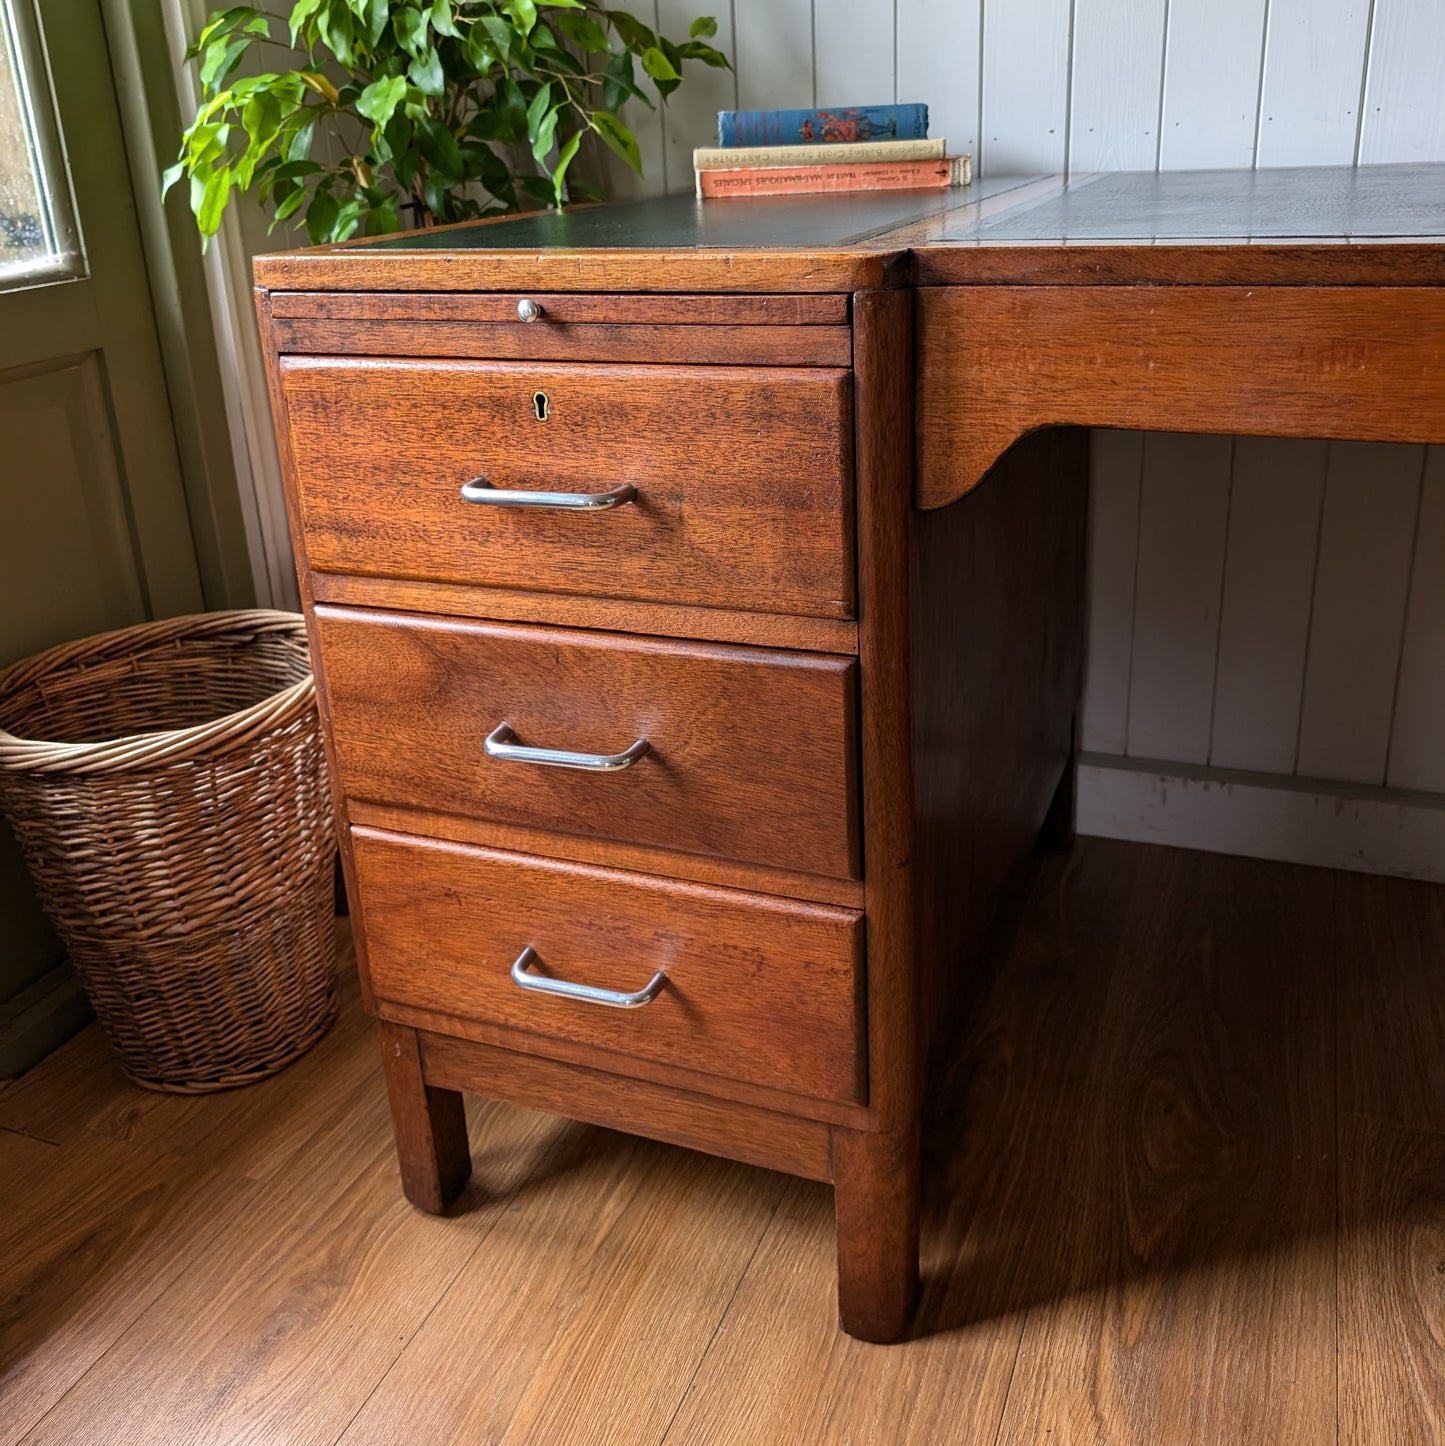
[{"x": 37, "y": 233}]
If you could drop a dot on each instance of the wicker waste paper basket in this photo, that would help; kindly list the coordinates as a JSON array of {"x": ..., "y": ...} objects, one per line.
[{"x": 167, "y": 787}]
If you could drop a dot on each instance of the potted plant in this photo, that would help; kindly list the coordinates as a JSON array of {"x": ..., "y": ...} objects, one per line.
[{"x": 401, "y": 113}]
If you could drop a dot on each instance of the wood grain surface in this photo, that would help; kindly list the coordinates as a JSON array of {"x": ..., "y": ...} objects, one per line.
[
  {"x": 876, "y": 1187},
  {"x": 998, "y": 362},
  {"x": 777, "y": 346},
  {"x": 1196, "y": 1197},
  {"x": 1391, "y": 1282},
  {"x": 758, "y": 988},
  {"x": 998, "y": 608},
  {"x": 1239, "y": 262},
  {"x": 1127, "y": 1171},
  {"x": 752, "y": 753},
  {"x": 639, "y": 858},
  {"x": 429, "y": 1123},
  {"x": 666, "y": 620},
  {"x": 560, "y": 308},
  {"x": 608, "y": 270},
  {"x": 678, "y": 1116},
  {"x": 744, "y": 478}
]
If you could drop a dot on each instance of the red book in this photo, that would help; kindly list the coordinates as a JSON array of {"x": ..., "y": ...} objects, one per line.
[{"x": 719, "y": 182}]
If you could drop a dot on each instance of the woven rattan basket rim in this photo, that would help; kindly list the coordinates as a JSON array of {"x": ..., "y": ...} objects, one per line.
[{"x": 154, "y": 750}]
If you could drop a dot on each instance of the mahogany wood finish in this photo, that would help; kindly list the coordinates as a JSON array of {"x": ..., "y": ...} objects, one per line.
[
  {"x": 762, "y": 989},
  {"x": 430, "y": 1124},
  {"x": 715, "y": 454},
  {"x": 780, "y": 346},
  {"x": 752, "y": 752},
  {"x": 358, "y": 269},
  {"x": 874, "y": 714},
  {"x": 998, "y": 649},
  {"x": 720, "y": 1089},
  {"x": 1301, "y": 263},
  {"x": 566, "y": 309},
  {"x": 1282, "y": 362},
  {"x": 877, "y": 1270},
  {"x": 615, "y": 853},
  {"x": 700, "y": 1121},
  {"x": 709, "y": 625}
]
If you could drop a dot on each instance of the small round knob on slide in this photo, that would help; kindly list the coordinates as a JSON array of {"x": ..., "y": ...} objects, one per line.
[{"x": 528, "y": 310}]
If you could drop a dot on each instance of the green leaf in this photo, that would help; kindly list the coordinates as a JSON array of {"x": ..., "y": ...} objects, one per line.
[
  {"x": 524, "y": 12},
  {"x": 619, "y": 83},
  {"x": 538, "y": 108},
  {"x": 559, "y": 171},
  {"x": 409, "y": 27},
  {"x": 381, "y": 218},
  {"x": 214, "y": 195},
  {"x": 703, "y": 28},
  {"x": 338, "y": 30},
  {"x": 441, "y": 19},
  {"x": 657, "y": 65},
  {"x": 696, "y": 50},
  {"x": 223, "y": 22},
  {"x": 440, "y": 150},
  {"x": 301, "y": 12},
  {"x": 375, "y": 16},
  {"x": 544, "y": 135},
  {"x": 261, "y": 118},
  {"x": 426, "y": 73},
  {"x": 348, "y": 218},
  {"x": 632, "y": 32},
  {"x": 503, "y": 35},
  {"x": 618, "y": 138},
  {"x": 170, "y": 176},
  {"x": 289, "y": 206},
  {"x": 299, "y": 147},
  {"x": 378, "y": 102},
  {"x": 583, "y": 31},
  {"x": 321, "y": 215}
]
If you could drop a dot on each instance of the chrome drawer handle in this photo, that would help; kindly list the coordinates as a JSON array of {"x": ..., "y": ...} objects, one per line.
[
  {"x": 499, "y": 744},
  {"x": 589, "y": 994},
  {"x": 480, "y": 490}
]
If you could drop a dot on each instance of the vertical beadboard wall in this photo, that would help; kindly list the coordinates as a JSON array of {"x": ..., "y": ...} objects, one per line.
[{"x": 1266, "y": 619}]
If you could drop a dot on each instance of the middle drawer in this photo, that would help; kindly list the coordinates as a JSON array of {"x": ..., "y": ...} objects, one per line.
[{"x": 751, "y": 753}]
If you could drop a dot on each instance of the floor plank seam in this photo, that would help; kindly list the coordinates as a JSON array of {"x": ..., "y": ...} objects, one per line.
[
  {"x": 30, "y": 1135},
  {"x": 767, "y": 1225}
]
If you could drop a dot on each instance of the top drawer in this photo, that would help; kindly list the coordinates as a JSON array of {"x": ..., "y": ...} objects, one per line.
[
  {"x": 797, "y": 330},
  {"x": 742, "y": 478}
]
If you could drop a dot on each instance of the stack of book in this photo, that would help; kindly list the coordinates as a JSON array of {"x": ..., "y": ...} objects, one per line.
[{"x": 853, "y": 148}]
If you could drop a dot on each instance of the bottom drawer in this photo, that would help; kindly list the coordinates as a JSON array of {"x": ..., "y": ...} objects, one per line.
[{"x": 768, "y": 991}]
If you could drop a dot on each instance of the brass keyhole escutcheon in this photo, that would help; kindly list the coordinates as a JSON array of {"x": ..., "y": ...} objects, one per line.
[{"x": 540, "y": 405}]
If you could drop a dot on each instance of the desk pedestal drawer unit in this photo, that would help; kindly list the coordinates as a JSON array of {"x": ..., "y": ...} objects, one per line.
[
  {"x": 695, "y": 595},
  {"x": 616, "y": 615}
]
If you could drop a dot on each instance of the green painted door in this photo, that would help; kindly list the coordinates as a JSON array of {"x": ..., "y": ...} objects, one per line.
[{"x": 94, "y": 531}]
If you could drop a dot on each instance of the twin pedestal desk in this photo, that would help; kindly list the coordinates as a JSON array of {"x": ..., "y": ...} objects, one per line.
[{"x": 695, "y": 591}]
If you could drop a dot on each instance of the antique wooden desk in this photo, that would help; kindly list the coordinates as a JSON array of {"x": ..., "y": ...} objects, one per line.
[{"x": 689, "y": 710}]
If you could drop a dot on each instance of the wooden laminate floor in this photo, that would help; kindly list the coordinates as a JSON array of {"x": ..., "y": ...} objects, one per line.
[{"x": 1189, "y": 1186}]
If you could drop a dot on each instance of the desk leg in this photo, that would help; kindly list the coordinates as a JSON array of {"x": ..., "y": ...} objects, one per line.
[
  {"x": 875, "y": 1187},
  {"x": 430, "y": 1125}
]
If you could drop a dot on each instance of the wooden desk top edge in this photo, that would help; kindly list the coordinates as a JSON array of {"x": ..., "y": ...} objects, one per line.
[{"x": 1371, "y": 226}]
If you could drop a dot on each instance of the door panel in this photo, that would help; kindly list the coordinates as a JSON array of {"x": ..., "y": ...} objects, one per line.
[{"x": 94, "y": 528}]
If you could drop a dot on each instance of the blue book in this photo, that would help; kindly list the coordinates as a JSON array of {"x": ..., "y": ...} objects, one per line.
[{"x": 814, "y": 127}]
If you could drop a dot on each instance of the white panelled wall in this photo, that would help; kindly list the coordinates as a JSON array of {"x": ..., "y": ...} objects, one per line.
[{"x": 1266, "y": 667}]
